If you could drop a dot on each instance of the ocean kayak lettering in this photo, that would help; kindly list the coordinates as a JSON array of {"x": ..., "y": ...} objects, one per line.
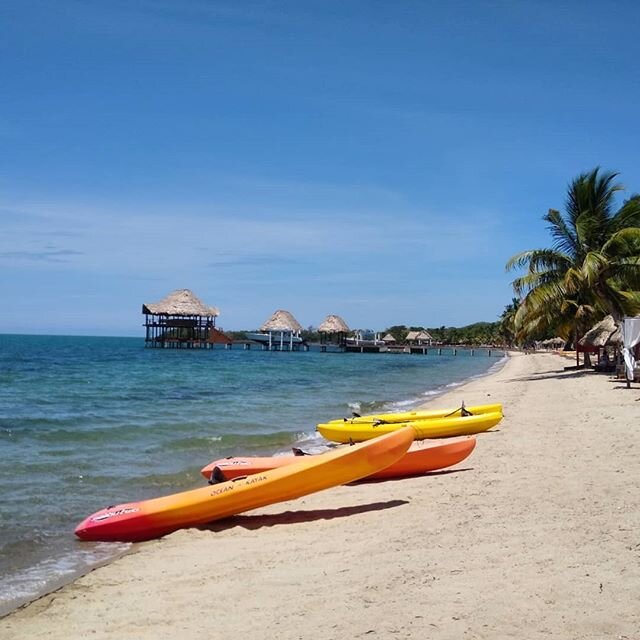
[
  {"x": 113, "y": 514},
  {"x": 222, "y": 489},
  {"x": 254, "y": 479}
]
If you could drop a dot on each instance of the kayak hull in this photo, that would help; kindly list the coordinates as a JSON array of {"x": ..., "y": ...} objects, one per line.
[
  {"x": 347, "y": 432},
  {"x": 422, "y": 456},
  {"x": 135, "y": 521}
]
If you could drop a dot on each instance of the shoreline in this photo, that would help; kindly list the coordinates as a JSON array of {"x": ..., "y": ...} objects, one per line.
[
  {"x": 535, "y": 532},
  {"x": 56, "y": 582},
  {"x": 425, "y": 398}
]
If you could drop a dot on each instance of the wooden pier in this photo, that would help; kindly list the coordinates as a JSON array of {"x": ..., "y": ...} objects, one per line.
[{"x": 439, "y": 350}]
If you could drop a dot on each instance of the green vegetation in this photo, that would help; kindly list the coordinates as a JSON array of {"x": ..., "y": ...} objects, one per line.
[
  {"x": 591, "y": 270},
  {"x": 479, "y": 333}
]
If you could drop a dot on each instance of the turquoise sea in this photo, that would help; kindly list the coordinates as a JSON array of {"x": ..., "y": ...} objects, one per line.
[{"x": 86, "y": 422}]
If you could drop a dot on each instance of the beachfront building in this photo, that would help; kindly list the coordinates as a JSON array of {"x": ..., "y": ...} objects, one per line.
[
  {"x": 419, "y": 338},
  {"x": 181, "y": 320},
  {"x": 281, "y": 332},
  {"x": 333, "y": 330}
]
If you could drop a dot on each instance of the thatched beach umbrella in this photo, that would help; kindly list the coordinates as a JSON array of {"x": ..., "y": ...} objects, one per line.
[
  {"x": 551, "y": 343},
  {"x": 599, "y": 334}
]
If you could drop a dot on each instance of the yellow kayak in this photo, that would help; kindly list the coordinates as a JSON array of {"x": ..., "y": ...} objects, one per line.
[
  {"x": 431, "y": 428},
  {"x": 407, "y": 416}
]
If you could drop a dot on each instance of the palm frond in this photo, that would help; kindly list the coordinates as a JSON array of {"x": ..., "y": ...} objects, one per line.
[
  {"x": 577, "y": 201},
  {"x": 574, "y": 280},
  {"x": 564, "y": 235},
  {"x": 532, "y": 280},
  {"x": 628, "y": 215},
  {"x": 595, "y": 263},
  {"x": 538, "y": 260},
  {"x": 602, "y": 190},
  {"x": 592, "y": 194},
  {"x": 623, "y": 243}
]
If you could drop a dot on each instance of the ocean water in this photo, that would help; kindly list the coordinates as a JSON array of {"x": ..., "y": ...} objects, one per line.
[{"x": 87, "y": 422}]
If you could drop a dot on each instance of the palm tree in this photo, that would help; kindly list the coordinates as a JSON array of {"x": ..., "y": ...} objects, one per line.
[
  {"x": 593, "y": 267},
  {"x": 506, "y": 327}
]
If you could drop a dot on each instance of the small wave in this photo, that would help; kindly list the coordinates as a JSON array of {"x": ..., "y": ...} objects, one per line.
[
  {"x": 372, "y": 406},
  {"x": 402, "y": 404},
  {"x": 309, "y": 439},
  {"x": 413, "y": 403},
  {"x": 22, "y": 586}
]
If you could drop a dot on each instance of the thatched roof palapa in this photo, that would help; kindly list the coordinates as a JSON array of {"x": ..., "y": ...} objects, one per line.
[
  {"x": 281, "y": 321},
  {"x": 553, "y": 342},
  {"x": 181, "y": 302},
  {"x": 333, "y": 324},
  {"x": 388, "y": 338},
  {"x": 418, "y": 335},
  {"x": 599, "y": 334}
]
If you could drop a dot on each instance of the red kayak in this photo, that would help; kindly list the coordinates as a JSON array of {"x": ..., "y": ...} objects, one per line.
[{"x": 422, "y": 456}]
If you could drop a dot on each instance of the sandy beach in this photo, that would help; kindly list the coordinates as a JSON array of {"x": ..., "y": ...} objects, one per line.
[{"x": 537, "y": 534}]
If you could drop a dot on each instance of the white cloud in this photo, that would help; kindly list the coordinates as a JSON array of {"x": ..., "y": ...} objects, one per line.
[{"x": 124, "y": 239}]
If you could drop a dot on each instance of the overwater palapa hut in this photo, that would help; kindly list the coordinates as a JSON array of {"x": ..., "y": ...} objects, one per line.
[
  {"x": 333, "y": 330},
  {"x": 280, "y": 332},
  {"x": 181, "y": 320}
]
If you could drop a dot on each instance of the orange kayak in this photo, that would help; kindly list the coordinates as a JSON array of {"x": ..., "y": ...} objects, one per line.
[
  {"x": 422, "y": 456},
  {"x": 134, "y": 521}
]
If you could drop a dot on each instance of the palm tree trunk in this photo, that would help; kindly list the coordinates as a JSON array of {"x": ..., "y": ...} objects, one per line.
[{"x": 575, "y": 343}]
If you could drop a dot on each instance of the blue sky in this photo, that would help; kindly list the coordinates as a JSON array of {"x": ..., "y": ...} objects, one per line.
[{"x": 377, "y": 160}]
